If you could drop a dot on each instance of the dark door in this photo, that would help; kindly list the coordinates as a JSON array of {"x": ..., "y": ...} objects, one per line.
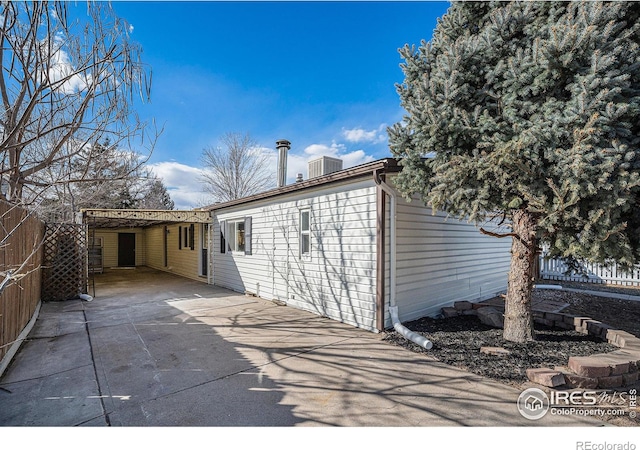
[{"x": 126, "y": 249}]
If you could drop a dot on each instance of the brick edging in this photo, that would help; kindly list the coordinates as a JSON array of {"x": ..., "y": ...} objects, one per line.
[{"x": 603, "y": 370}]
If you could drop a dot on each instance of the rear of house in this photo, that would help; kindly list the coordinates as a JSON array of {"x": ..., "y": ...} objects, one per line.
[
  {"x": 330, "y": 244},
  {"x": 342, "y": 244},
  {"x": 312, "y": 249}
]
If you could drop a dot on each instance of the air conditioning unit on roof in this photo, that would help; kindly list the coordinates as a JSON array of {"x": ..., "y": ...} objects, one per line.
[{"x": 324, "y": 166}]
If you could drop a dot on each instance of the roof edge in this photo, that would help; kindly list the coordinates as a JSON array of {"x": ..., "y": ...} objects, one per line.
[
  {"x": 387, "y": 165},
  {"x": 143, "y": 210}
]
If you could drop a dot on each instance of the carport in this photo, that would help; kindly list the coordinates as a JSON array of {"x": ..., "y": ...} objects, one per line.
[
  {"x": 154, "y": 349},
  {"x": 166, "y": 240}
]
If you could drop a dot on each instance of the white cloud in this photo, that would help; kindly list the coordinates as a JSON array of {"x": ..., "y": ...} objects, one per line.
[
  {"x": 182, "y": 182},
  {"x": 318, "y": 150},
  {"x": 362, "y": 135},
  {"x": 356, "y": 158},
  {"x": 335, "y": 150},
  {"x": 62, "y": 74},
  {"x": 299, "y": 162}
]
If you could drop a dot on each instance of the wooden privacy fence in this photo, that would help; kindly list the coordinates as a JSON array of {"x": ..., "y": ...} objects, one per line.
[
  {"x": 21, "y": 237},
  {"x": 555, "y": 269},
  {"x": 64, "y": 274}
]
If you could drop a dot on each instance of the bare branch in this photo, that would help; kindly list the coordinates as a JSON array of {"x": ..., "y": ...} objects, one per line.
[
  {"x": 236, "y": 169},
  {"x": 498, "y": 235},
  {"x": 65, "y": 86}
]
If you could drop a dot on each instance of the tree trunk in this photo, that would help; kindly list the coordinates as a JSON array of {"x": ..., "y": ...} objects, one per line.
[
  {"x": 518, "y": 320},
  {"x": 16, "y": 184}
]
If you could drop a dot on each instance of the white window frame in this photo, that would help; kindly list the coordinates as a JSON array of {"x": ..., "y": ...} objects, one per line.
[
  {"x": 305, "y": 232},
  {"x": 231, "y": 236}
]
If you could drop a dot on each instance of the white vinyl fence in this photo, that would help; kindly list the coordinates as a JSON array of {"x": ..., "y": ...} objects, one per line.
[{"x": 553, "y": 269}]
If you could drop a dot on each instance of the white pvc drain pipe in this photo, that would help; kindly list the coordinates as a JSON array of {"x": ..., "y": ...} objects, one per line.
[{"x": 393, "y": 307}]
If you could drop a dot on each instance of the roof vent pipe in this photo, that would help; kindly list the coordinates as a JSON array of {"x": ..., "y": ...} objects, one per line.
[{"x": 283, "y": 147}]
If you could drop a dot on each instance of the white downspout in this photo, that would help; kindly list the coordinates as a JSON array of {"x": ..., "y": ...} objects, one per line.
[{"x": 393, "y": 307}]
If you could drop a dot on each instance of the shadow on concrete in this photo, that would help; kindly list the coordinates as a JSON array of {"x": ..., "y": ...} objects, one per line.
[
  {"x": 160, "y": 350},
  {"x": 154, "y": 365}
]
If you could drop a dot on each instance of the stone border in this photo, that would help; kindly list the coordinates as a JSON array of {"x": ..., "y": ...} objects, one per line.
[{"x": 603, "y": 370}]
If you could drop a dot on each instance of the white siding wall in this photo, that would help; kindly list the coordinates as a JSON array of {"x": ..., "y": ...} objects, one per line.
[
  {"x": 439, "y": 261},
  {"x": 337, "y": 280},
  {"x": 444, "y": 260}
]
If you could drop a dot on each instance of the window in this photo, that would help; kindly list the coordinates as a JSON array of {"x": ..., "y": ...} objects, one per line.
[
  {"x": 164, "y": 245},
  {"x": 205, "y": 236},
  {"x": 305, "y": 233},
  {"x": 238, "y": 236},
  {"x": 186, "y": 237}
]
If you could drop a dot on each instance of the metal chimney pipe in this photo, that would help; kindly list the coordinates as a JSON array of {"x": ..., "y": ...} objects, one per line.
[{"x": 283, "y": 146}]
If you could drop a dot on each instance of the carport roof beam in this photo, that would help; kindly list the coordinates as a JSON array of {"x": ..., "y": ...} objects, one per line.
[{"x": 123, "y": 218}]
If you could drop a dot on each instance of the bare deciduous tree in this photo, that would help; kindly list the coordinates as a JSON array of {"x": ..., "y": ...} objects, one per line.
[
  {"x": 236, "y": 169},
  {"x": 113, "y": 179},
  {"x": 65, "y": 84}
]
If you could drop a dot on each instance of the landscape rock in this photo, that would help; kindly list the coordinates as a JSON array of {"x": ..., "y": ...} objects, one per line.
[
  {"x": 576, "y": 381},
  {"x": 629, "y": 378},
  {"x": 587, "y": 366},
  {"x": 448, "y": 312},
  {"x": 546, "y": 377},
  {"x": 463, "y": 305},
  {"x": 610, "y": 382},
  {"x": 497, "y": 351},
  {"x": 491, "y": 317}
]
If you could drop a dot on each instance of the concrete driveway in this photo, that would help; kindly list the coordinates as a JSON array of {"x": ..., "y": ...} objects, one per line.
[{"x": 153, "y": 349}]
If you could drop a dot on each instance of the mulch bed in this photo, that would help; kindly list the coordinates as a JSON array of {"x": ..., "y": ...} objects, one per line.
[{"x": 457, "y": 341}]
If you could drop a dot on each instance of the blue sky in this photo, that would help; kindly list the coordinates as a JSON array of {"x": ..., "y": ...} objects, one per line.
[{"x": 320, "y": 74}]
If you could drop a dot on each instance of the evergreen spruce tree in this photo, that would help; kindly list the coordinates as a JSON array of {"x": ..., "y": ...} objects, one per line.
[
  {"x": 155, "y": 196},
  {"x": 529, "y": 111}
]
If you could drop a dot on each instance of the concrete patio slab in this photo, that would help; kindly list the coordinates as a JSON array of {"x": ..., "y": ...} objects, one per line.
[{"x": 153, "y": 349}]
